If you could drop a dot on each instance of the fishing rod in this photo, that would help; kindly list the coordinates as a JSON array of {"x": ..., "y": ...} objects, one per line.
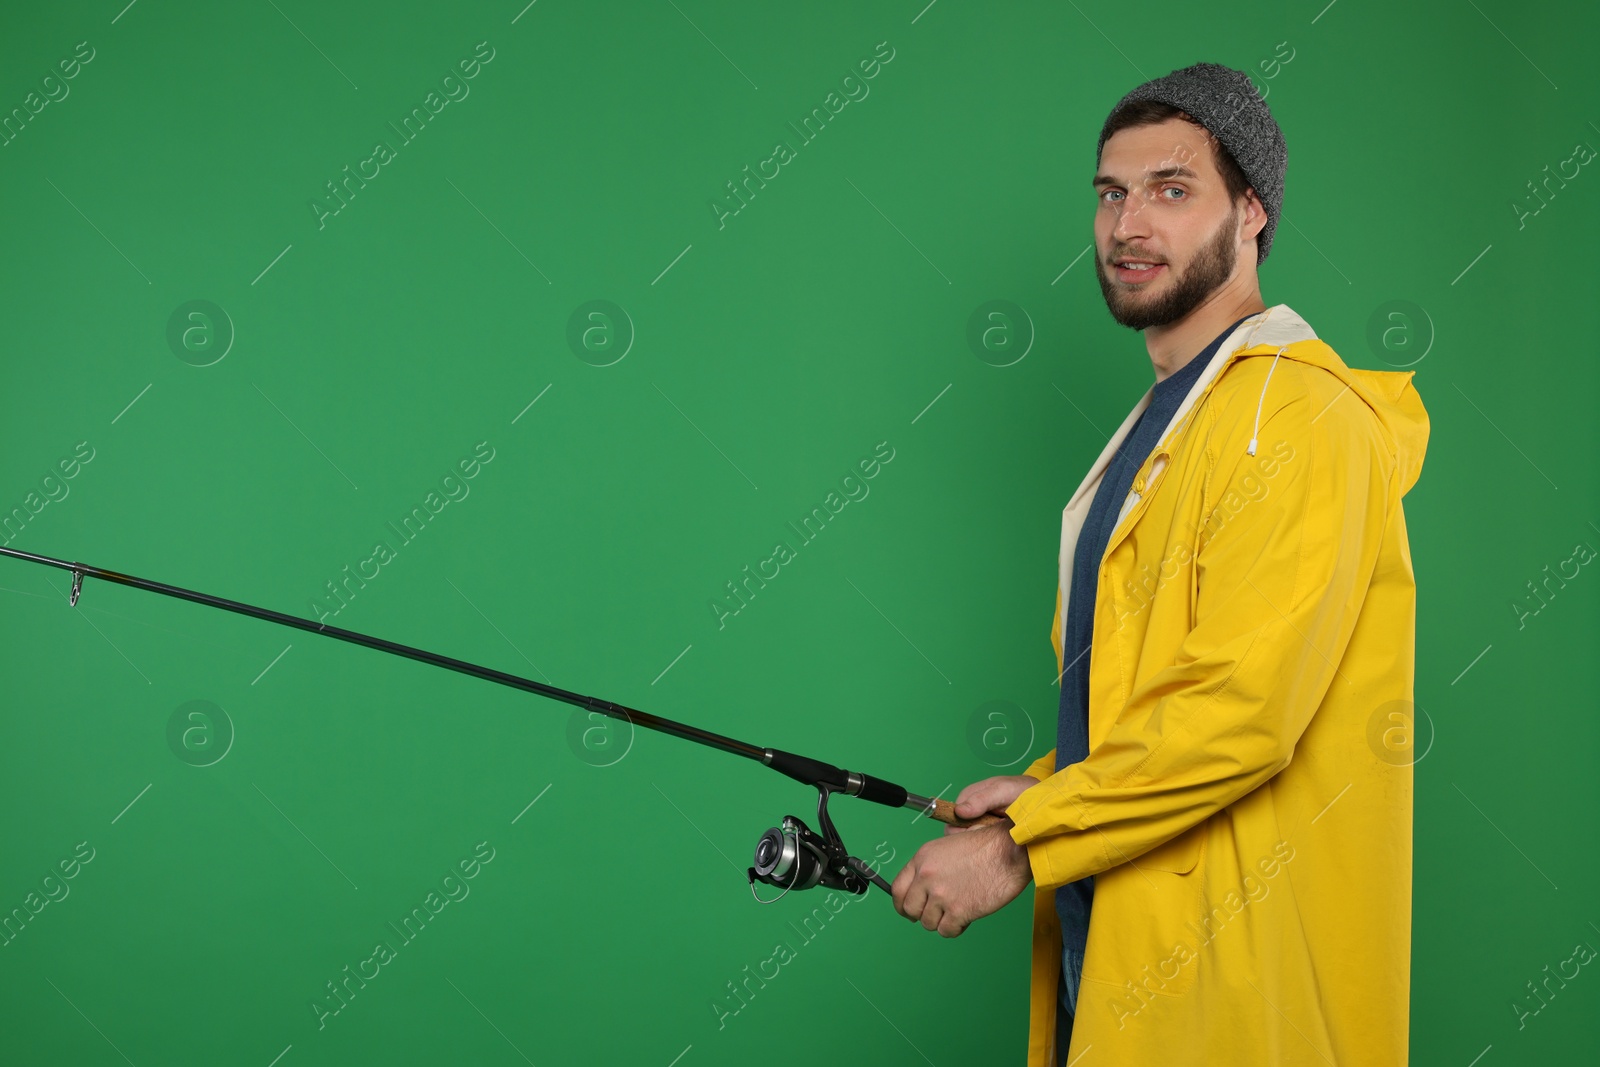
[{"x": 789, "y": 856}]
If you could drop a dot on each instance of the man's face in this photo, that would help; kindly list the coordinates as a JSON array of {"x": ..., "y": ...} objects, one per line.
[{"x": 1181, "y": 219}]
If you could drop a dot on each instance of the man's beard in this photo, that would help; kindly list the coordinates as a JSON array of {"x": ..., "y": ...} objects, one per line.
[{"x": 1212, "y": 265}]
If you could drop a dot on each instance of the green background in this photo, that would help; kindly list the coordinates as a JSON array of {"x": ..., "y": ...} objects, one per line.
[{"x": 366, "y": 357}]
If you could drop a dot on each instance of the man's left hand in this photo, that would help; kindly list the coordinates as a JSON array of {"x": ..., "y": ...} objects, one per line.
[{"x": 953, "y": 881}]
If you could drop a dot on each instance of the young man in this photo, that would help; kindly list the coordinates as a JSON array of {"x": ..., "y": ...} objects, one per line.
[{"x": 1221, "y": 840}]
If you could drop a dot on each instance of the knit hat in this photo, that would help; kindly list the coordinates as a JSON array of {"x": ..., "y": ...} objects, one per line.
[{"x": 1226, "y": 102}]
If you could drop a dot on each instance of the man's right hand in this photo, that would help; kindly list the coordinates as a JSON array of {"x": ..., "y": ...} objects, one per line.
[{"x": 991, "y": 794}]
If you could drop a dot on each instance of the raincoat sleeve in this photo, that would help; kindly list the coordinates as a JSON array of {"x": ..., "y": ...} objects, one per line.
[{"x": 1280, "y": 584}]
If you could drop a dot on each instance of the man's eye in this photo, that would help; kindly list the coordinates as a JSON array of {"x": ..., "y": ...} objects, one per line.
[{"x": 1173, "y": 189}]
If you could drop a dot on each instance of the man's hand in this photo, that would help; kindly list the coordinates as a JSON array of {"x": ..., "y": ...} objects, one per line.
[
  {"x": 953, "y": 881},
  {"x": 990, "y": 795}
]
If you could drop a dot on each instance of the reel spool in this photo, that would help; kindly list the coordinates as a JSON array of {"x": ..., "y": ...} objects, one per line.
[{"x": 793, "y": 856}]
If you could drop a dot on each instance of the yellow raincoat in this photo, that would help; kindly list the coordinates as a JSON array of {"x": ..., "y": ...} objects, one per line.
[{"x": 1246, "y": 802}]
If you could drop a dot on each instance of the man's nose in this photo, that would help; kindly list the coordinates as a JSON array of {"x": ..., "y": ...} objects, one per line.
[{"x": 1132, "y": 220}]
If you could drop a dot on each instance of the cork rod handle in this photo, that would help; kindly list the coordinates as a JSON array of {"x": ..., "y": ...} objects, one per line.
[{"x": 945, "y": 812}]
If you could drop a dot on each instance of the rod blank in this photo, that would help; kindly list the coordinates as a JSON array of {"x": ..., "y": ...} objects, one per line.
[{"x": 800, "y": 768}]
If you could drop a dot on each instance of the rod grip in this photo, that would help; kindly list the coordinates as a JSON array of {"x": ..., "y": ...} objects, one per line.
[{"x": 945, "y": 811}]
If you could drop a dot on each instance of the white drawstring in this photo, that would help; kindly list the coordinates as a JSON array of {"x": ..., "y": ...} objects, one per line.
[{"x": 1257, "y": 428}]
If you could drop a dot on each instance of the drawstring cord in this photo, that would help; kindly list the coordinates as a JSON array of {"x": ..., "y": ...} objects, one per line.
[{"x": 1257, "y": 428}]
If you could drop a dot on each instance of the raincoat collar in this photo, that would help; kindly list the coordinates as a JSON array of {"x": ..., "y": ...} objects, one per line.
[{"x": 1280, "y": 332}]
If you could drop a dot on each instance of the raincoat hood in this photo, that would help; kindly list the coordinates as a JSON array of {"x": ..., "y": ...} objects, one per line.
[{"x": 1390, "y": 394}]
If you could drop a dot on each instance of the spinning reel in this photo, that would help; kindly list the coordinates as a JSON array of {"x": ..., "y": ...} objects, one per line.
[{"x": 793, "y": 856}]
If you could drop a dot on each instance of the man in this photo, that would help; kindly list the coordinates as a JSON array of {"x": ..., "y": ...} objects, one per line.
[{"x": 1221, "y": 840}]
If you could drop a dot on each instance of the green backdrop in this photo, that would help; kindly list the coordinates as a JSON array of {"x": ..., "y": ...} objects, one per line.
[{"x": 243, "y": 346}]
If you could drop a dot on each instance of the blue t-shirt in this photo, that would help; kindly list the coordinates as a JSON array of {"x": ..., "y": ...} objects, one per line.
[{"x": 1074, "y": 900}]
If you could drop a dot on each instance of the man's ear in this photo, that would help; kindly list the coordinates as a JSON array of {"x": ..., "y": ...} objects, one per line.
[
  {"x": 1255, "y": 216},
  {"x": 1253, "y": 219}
]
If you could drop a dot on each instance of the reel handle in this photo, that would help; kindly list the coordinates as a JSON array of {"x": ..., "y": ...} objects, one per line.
[{"x": 945, "y": 811}]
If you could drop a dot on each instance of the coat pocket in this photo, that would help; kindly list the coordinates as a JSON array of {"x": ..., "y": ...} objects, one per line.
[
  {"x": 1143, "y": 926},
  {"x": 1179, "y": 855}
]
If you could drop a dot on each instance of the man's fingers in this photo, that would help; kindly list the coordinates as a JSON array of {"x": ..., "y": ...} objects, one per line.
[
  {"x": 932, "y": 912},
  {"x": 909, "y": 896},
  {"x": 916, "y": 903},
  {"x": 897, "y": 888},
  {"x": 979, "y": 797},
  {"x": 973, "y": 800},
  {"x": 992, "y": 794}
]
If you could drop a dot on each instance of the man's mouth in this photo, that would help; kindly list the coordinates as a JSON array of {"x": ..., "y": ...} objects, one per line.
[{"x": 1137, "y": 270}]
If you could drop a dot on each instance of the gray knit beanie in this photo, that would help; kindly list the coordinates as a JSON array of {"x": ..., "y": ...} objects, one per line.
[{"x": 1226, "y": 102}]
